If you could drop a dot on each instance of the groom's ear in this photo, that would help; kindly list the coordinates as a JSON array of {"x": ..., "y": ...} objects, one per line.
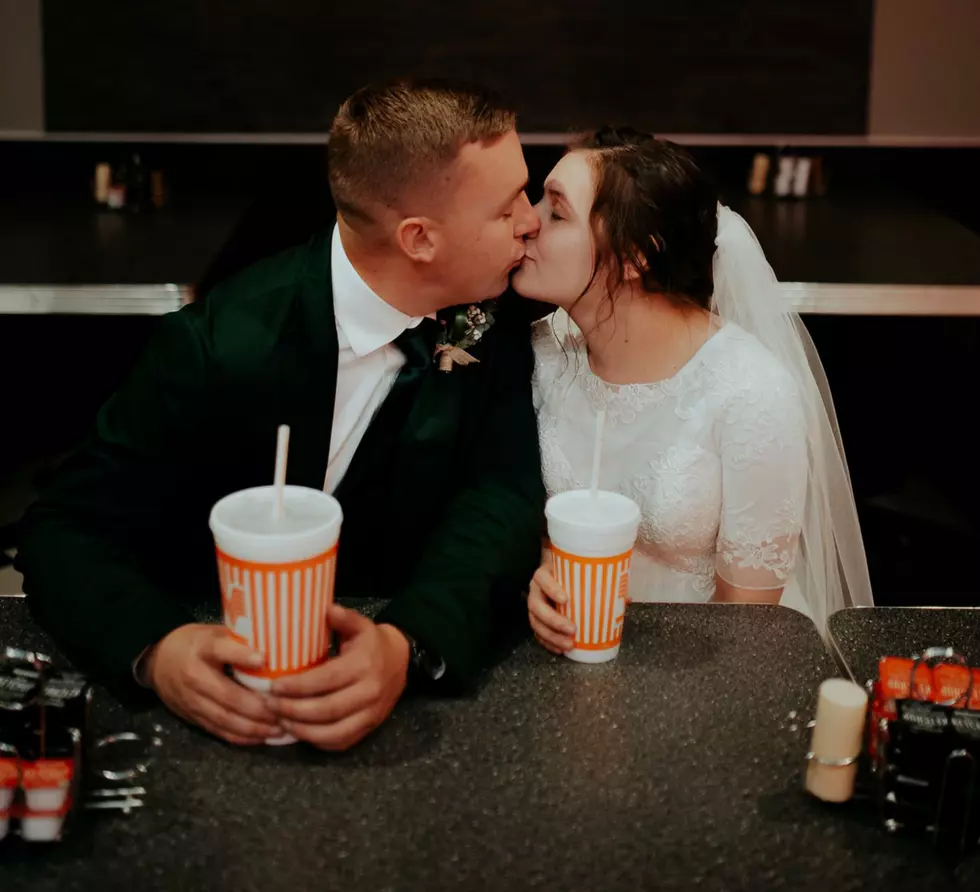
[{"x": 417, "y": 237}]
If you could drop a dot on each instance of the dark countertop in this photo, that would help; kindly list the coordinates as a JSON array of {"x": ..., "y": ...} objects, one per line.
[
  {"x": 551, "y": 776},
  {"x": 862, "y": 241},
  {"x": 72, "y": 244},
  {"x": 862, "y": 635},
  {"x": 837, "y": 239}
]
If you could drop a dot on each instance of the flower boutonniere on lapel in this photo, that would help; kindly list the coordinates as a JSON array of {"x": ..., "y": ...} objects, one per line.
[{"x": 464, "y": 329}]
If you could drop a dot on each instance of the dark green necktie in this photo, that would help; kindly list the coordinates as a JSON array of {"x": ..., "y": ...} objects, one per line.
[{"x": 418, "y": 344}]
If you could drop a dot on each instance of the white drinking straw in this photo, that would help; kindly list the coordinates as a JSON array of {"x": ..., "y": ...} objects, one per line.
[
  {"x": 282, "y": 454},
  {"x": 600, "y": 424}
]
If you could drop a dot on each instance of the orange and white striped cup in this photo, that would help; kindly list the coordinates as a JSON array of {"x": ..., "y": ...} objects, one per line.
[
  {"x": 277, "y": 576},
  {"x": 591, "y": 546}
]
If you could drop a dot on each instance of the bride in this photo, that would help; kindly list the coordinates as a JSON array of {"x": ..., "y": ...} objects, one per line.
[{"x": 719, "y": 422}]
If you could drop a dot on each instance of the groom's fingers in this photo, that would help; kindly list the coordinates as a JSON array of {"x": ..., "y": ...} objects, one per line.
[
  {"x": 325, "y": 710},
  {"x": 340, "y": 735},
  {"x": 333, "y": 675}
]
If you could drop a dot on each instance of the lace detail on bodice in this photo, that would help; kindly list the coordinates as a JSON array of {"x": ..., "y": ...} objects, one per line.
[{"x": 715, "y": 457}]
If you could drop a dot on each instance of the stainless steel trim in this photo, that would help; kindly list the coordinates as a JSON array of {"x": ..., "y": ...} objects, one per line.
[
  {"x": 883, "y": 300},
  {"x": 804, "y": 297},
  {"x": 108, "y": 300},
  {"x": 530, "y": 138}
]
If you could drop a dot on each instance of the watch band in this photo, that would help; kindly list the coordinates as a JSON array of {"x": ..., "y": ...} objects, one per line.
[{"x": 423, "y": 663}]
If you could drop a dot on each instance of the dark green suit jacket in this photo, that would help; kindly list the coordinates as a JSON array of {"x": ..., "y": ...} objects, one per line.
[{"x": 443, "y": 501}]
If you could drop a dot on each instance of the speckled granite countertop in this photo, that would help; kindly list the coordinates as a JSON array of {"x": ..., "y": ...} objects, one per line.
[
  {"x": 551, "y": 776},
  {"x": 862, "y": 635}
]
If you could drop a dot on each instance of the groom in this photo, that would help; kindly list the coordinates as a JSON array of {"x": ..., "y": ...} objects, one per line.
[{"x": 438, "y": 472}]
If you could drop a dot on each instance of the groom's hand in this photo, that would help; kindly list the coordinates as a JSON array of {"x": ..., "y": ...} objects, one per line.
[
  {"x": 187, "y": 670},
  {"x": 341, "y": 701}
]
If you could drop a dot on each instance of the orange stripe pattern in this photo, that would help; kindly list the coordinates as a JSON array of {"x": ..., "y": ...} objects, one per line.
[
  {"x": 598, "y": 592},
  {"x": 280, "y": 610}
]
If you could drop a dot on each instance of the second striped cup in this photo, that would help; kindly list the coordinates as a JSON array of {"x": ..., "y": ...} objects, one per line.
[
  {"x": 591, "y": 546},
  {"x": 277, "y": 576}
]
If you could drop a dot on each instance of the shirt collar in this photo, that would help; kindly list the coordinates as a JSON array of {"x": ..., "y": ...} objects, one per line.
[{"x": 364, "y": 320}]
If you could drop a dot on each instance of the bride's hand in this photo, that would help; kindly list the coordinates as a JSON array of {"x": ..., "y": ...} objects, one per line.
[{"x": 552, "y": 630}]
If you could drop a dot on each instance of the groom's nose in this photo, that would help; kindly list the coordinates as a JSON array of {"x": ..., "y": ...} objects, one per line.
[{"x": 528, "y": 222}]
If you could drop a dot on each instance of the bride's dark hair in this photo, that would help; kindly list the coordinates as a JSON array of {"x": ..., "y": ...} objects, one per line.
[{"x": 654, "y": 209}]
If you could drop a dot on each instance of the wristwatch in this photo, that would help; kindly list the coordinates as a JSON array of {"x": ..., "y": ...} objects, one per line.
[{"x": 422, "y": 663}]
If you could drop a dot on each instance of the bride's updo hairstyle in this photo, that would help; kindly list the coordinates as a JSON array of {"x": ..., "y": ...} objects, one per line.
[{"x": 655, "y": 210}]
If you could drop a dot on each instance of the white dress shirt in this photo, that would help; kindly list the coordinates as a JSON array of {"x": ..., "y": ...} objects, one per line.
[{"x": 367, "y": 362}]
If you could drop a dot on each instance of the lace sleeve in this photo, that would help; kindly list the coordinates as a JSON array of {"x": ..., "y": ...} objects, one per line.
[{"x": 764, "y": 476}]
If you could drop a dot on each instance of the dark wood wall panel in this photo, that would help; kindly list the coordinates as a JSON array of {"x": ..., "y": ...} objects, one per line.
[{"x": 756, "y": 66}]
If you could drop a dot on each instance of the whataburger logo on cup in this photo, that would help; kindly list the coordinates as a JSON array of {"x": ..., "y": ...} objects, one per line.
[
  {"x": 277, "y": 576},
  {"x": 273, "y": 609},
  {"x": 591, "y": 546}
]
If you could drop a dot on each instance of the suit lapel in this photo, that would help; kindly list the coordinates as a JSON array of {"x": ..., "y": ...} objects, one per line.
[{"x": 312, "y": 378}]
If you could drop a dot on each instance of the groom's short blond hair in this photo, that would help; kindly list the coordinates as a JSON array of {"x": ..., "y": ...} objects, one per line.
[{"x": 392, "y": 139}]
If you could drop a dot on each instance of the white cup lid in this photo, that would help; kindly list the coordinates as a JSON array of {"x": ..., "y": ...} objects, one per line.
[
  {"x": 579, "y": 523},
  {"x": 244, "y": 527}
]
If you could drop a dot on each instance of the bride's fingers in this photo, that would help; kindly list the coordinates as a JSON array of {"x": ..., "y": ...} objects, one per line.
[
  {"x": 552, "y": 640},
  {"x": 540, "y": 608},
  {"x": 546, "y": 582},
  {"x": 548, "y": 647}
]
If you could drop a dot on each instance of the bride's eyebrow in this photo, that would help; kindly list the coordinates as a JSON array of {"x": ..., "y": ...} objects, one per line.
[{"x": 553, "y": 191}]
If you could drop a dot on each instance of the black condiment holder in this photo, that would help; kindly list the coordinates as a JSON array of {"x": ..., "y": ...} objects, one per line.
[
  {"x": 924, "y": 772},
  {"x": 31, "y": 704},
  {"x": 920, "y": 769},
  {"x": 25, "y": 726}
]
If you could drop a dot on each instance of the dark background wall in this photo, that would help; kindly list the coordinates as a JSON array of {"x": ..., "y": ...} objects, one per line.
[
  {"x": 925, "y": 72},
  {"x": 21, "y": 63},
  {"x": 715, "y": 66}
]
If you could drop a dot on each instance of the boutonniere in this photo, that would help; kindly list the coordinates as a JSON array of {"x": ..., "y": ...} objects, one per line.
[{"x": 463, "y": 330}]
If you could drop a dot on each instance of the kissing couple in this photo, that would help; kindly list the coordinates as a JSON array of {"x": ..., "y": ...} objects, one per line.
[{"x": 405, "y": 349}]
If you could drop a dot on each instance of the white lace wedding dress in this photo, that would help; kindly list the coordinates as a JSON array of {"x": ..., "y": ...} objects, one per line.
[{"x": 715, "y": 456}]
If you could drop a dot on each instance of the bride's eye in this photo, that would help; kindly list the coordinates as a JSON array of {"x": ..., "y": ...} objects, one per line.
[{"x": 555, "y": 216}]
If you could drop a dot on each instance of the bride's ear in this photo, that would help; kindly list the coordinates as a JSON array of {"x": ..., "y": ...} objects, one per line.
[{"x": 637, "y": 265}]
